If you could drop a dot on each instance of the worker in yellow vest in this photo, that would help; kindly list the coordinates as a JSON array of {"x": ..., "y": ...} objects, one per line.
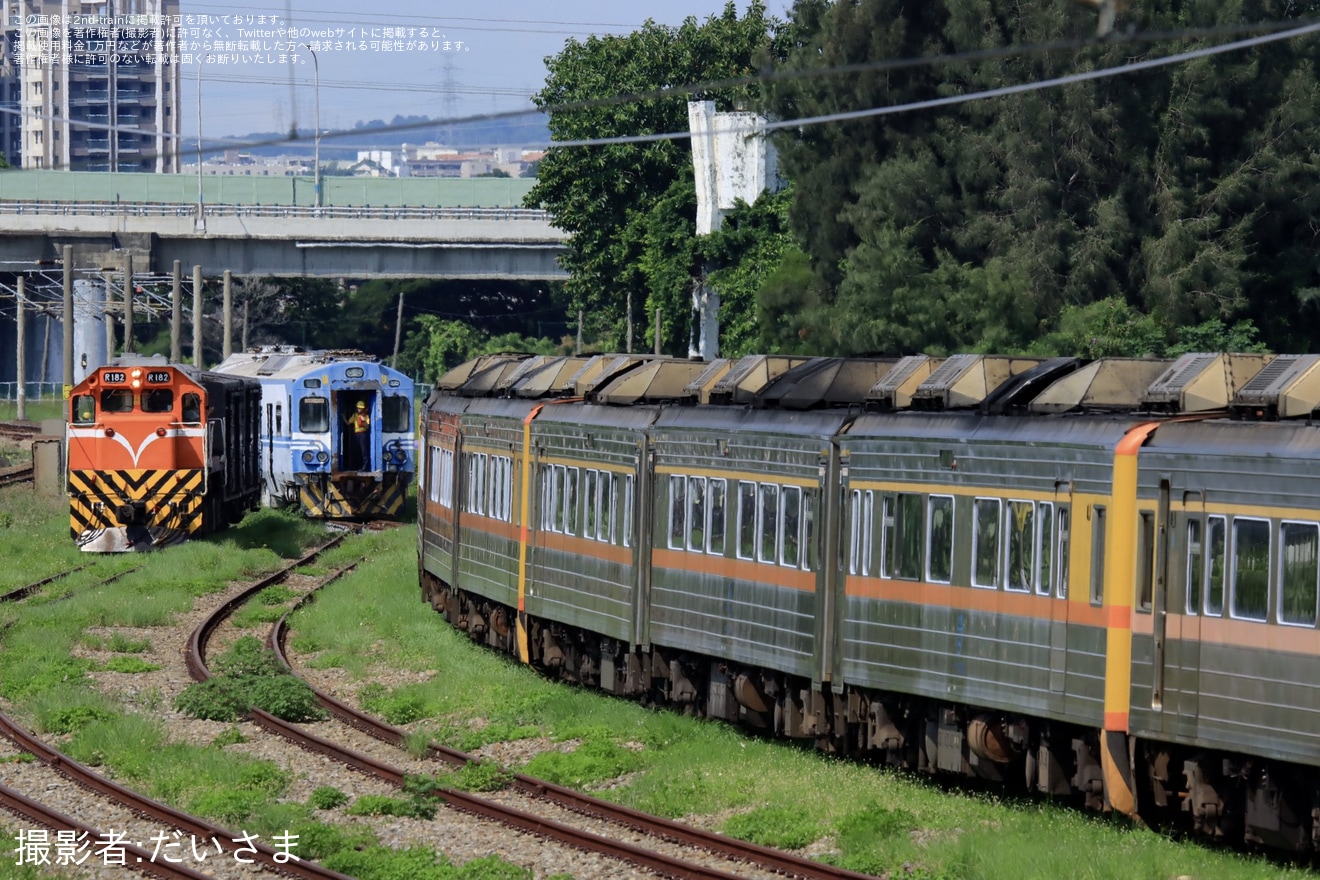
[{"x": 360, "y": 422}]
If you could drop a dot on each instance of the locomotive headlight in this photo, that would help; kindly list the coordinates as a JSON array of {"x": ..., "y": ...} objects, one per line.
[
  {"x": 160, "y": 432},
  {"x": 400, "y": 456},
  {"x": 308, "y": 457},
  {"x": 322, "y": 457},
  {"x": 109, "y": 432}
]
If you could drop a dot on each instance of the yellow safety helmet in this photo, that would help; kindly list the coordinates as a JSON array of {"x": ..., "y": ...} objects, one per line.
[{"x": 361, "y": 404}]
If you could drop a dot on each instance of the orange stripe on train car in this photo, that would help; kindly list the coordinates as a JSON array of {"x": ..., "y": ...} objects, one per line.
[
  {"x": 1027, "y": 605},
  {"x": 735, "y": 569}
]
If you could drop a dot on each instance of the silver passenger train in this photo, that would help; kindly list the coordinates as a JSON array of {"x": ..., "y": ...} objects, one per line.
[{"x": 1095, "y": 579}]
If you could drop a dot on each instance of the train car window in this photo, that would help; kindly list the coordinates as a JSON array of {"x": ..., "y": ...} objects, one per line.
[
  {"x": 447, "y": 478},
  {"x": 715, "y": 517},
  {"x": 861, "y": 529},
  {"x": 911, "y": 534},
  {"x": 436, "y": 462},
  {"x": 158, "y": 400},
  {"x": 888, "y": 527},
  {"x": 791, "y": 502},
  {"x": 279, "y": 419},
  {"x": 767, "y": 523},
  {"x": 1216, "y": 564},
  {"x": 1062, "y": 543},
  {"x": 571, "y": 501},
  {"x": 590, "y": 502},
  {"x": 696, "y": 514},
  {"x": 1299, "y": 544},
  {"x": 628, "y": 490},
  {"x": 1195, "y": 565},
  {"x": 551, "y": 510},
  {"x": 986, "y": 554},
  {"x": 1021, "y": 545},
  {"x": 314, "y": 415},
  {"x": 1044, "y": 548},
  {"x": 84, "y": 409},
  {"x": 499, "y": 487},
  {"x": 116, "y": 400},
  {"x": 396, "y": 414},
  {"x": 609, "y": 506},
  {"x": 939, "y": 547},
  {"x": 746, "y": 520},
  {"x": 810, "y": 559},
  {"x": 1097, "y": 555},
  {"x": 677, "y": 510},
  {"x": 1251, "y": 568},
  {"x": 1145, "y": 559}
]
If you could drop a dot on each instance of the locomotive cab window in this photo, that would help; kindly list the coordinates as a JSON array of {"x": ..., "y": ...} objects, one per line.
[
  {"x": 396, "y": 414},
  {"x": 192, "y": 408},
  {"x": 314, "y": 415},
  {"x": 116, "y": 400},
  {"x": 158, "y": 400},
  {"x": 84, "y": 409}
]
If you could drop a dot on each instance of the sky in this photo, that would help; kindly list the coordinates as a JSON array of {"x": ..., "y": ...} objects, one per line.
[{"x": 448, "y": 60}]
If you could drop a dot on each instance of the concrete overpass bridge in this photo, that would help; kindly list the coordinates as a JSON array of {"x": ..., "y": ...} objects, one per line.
[{"x": 367, "y": 227}]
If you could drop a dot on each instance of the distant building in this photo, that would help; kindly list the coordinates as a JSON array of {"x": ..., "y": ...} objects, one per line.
[
  {"x": 437, "y": 160},
  {"x": 97, "y": 84}
]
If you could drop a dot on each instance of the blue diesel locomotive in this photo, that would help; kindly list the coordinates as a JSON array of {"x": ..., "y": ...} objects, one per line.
[{"x": 336, "y": 430}]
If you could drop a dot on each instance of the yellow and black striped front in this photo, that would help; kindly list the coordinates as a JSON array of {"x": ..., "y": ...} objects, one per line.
[
  {"x": 352, "y": 498},
  {"x": 167, "y": 499}
]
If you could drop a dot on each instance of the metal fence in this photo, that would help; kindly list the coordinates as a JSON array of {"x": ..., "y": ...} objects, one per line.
[{"x": 35, "y": 391}]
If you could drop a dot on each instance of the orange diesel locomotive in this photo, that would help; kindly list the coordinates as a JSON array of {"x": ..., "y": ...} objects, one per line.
[{"x": 158, "y": 452}]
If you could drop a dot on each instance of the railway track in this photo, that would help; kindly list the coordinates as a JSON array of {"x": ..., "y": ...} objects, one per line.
[
  {"x": 14, "y": 476},
  {"x": 23, "y": 592},
  {"x": 240, "y": 848},
  {"x": 736, "y": 854},
  {"x": 18, "y": 431}
]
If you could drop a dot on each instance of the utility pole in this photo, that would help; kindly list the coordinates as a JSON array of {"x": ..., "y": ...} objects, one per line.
[
  {"x": 229, "y": 316},
  {"x": 628, "y": 339},
  {"x": 398, "y": 334},
  {"x": 578, "y": 348},
  {"x": 128, "y": 303},
  {"x": 176, "y": 314},
  {"x": 68, "y": 325},
  {"x": 243, "y": 337},
  {"x": 108, "y": 311},
  {"x": 657, "y": 333},
  {"x": 22, "y": 355},
  {"x": 197, "y": 317}
]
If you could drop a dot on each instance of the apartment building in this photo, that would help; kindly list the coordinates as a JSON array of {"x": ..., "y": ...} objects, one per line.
[{"x": 97, "y": 84}]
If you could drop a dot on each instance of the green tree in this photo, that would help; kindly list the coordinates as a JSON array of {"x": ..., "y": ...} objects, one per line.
[
  {"x": 622, "y": 202},
  {"x": 1171, "y": 198}
]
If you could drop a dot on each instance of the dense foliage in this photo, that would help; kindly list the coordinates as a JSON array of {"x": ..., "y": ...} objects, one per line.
[{"x": 1175, "y": 197}]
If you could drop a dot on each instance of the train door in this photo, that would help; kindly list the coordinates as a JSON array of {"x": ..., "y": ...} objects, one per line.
[{"x": 1155, "y": 544}]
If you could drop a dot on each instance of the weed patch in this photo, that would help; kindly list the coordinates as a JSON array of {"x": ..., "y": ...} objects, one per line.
[
  {"x": 247, "y": 677},
  {"x": 591, "y": 762},
  {"x": 230, "y": 736},
  {"x": 382, "y": 805},
  {"x": 480, "y": 776},
  {"x": 402, "y": 705},
  {"x": 129, "y": 665},
  {"x": 775, "y": 826},
  {"x": 327, "y": 797}
]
